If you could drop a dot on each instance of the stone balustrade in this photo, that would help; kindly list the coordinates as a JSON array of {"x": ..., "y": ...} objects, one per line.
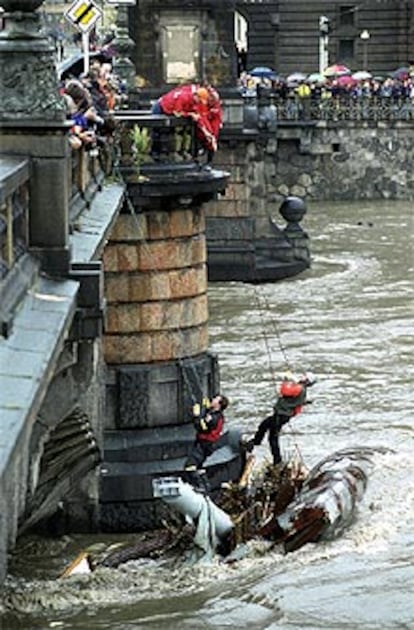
[{"x": 14, "y": 208}]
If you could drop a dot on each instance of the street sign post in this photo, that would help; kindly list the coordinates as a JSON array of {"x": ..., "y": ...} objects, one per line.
[{"x": 83, "y": 15}]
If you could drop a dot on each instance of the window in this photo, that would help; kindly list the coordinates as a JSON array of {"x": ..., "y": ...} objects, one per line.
[
  {"x": 347, "y": 15},
  {"x": 346, "y": 50}
]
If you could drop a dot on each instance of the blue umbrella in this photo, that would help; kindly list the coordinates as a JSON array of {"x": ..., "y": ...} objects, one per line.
[{"x": 263, "y": 72}]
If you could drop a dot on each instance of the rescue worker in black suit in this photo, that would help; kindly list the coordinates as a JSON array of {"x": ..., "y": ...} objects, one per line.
[
  {"x": 292, "y": 397},
  {"x": 209, "y": 423}
]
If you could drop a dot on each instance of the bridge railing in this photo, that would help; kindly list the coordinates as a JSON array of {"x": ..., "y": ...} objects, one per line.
[
  {"x": 336, "y": 108},
  {"x": 16, "y": 268},
  {"x": 86, "y": 173},
  {"x": 14, "y": 213},
  {"x": 172, "y": 139}
]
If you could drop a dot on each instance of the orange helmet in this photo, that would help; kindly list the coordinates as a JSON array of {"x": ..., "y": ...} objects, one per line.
[
  {"x": 202, "y": 94},
  {"x": 290, "y": 389}
]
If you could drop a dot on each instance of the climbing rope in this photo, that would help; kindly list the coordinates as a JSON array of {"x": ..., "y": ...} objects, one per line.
[{"x": 263, "y": 304}]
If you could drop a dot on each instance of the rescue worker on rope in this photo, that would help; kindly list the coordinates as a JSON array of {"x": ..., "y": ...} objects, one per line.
[
  {"x": 290, "y": 401},
  {"x": 208, "y": 420}
]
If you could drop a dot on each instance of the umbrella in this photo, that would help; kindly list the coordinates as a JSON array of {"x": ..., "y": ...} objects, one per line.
[
  {"x": 263, "y": 73},
  {"x": 337, "y": 70},
  {"x": 401, "y": 73},
  {"x": 73, "y": 66},
  {"x": 346, "y": 80},
  {"x": 362, "y": 75},
  {"x": 296, "y": 77},
  {"x": 316, "y": 77}
]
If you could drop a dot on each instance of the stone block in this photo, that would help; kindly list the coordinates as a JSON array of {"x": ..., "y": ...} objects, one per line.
[
  {"x": 158, "y": 315},
  {"x": 133, "y": 397},
  {"x": 198, "y": 250},
  {"x": 223, "y": 228},
  {"x": 120, "y": 349},
  {"x": 127, "y": 257},
  {"x": 122, "y": 318},
  {"x": 117, "y": 287},
  {"x": 196, "y": 222},
  {"x": 158, "y": 225},
  {"x": 228, "y": 208},
  {"x": 237, "y": 192},
  {"x": 159, "y": 255},
  {"x": 129, "y": 228},
  {"x": 186, "y": 282},
  {"x": 110, "y": 258}
]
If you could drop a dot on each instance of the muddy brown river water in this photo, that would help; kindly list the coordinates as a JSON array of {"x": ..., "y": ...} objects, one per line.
[{"x": 349, "y": 320}]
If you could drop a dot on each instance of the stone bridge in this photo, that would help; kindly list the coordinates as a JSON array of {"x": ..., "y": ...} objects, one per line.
[{"x": 103, "y": 284}]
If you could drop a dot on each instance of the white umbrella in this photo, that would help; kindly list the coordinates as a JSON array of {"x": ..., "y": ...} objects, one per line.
[
  {"x": 362, "y": 75},
  {"x": 296, "y": 77}
]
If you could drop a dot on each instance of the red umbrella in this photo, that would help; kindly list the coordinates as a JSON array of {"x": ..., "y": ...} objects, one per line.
[
  {"x": 337, "y": 70},
  {"x": 346, "y": 80}
]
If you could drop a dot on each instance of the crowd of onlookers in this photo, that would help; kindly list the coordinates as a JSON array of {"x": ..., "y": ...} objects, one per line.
[
  {"x": 90, "y": 102},
  {"x": 346, "y": 85}
]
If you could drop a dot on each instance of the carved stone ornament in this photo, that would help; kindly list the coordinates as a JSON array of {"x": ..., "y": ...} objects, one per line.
[
  {"x": 28, "y": 78},
  {"x": 29, "y": 88}
]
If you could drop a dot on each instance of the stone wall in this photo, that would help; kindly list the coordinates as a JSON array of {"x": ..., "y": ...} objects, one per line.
[{"x": 348, "y": 162}]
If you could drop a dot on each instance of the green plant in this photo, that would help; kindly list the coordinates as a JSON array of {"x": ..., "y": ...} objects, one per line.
[{"x": 141, "y": 145}]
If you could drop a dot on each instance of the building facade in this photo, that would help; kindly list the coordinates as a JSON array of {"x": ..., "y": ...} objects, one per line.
[
  {"x": 371, "y": 34},
  {"x": 176, "y": 41}
]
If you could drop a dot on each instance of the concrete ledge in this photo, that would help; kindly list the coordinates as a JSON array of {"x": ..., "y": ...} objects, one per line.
[
  {"x": 93, "y": 226},
  {"x": 28, "y": 357}
]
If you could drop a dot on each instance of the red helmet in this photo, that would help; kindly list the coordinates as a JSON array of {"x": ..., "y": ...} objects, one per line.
[{"x": 290, "y": 389}]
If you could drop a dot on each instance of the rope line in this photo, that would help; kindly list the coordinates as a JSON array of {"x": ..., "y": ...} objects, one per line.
[{"x": 262, "y": 303}]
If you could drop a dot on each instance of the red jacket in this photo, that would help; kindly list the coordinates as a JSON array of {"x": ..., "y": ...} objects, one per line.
[
  {"x": 179, "y": 101},
  {"x": 210, "y": 427},
  {"x": 182, "y": 101}
]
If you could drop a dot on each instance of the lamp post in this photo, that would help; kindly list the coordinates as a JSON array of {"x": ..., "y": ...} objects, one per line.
[
  {"x": 364, "y": 36},
  {"x": 324, "y": 29}
]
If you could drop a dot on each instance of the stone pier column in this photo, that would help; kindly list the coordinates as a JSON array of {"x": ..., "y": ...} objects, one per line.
[
  {"x": 156, "y": 283},
  {"x": 156, "y": 341}
]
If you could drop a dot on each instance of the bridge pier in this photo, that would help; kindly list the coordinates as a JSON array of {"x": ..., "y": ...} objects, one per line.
[{"x": 156, "y": 341}]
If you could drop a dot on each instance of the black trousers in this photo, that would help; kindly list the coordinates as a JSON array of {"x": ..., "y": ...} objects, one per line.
[
  {"x": 200, "y": 450},
  {"x": 271, "y": 425}
]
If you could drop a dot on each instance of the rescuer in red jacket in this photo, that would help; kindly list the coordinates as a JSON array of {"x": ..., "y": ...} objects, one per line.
[
  {"x": 292, "y": 397},
  {"x": 208, "y": 422},
  {"x": 200, "y": 103}
]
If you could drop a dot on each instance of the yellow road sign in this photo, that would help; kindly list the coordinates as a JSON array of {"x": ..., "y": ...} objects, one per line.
[{"x": 83, "y": 14}]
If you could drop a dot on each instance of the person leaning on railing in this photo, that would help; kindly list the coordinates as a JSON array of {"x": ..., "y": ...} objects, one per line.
[
  {"x": 83, "y": 115},
  {"x": 202, "y": 104}
]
